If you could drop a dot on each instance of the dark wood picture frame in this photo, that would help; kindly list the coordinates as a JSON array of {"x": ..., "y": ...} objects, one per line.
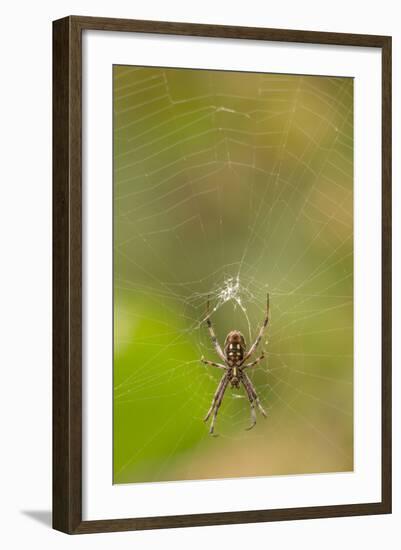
[{"x": 67, "y": 274}]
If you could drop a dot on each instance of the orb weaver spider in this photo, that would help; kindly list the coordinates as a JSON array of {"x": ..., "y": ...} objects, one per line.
[{"x": 234, "y": 357}]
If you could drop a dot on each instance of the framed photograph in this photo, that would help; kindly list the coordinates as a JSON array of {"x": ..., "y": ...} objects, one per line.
[{"x": 222, "y": 274}]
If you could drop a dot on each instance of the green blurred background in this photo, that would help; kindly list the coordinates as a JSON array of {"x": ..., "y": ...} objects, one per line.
[{"x": 232, "y": 185}]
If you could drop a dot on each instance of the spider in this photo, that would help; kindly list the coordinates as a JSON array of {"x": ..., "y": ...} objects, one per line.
[{"x": 234, "y": 357}]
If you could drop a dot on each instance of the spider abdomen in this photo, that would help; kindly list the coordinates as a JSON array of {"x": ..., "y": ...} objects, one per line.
[
  {"x": 234, "y": 348},
  {"x": 235, "y": 354}
]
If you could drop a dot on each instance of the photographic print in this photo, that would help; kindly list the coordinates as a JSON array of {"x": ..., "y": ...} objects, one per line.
[
  {"x": 221, "y": 274},
  {"x": 233, "y": 274}
]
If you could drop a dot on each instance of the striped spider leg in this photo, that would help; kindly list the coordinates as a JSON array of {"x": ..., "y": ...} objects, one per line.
[
  {"x": 252, "y": 349},
  {"x": 213, "y": 336},
  {"x": 217, "y": 399}
]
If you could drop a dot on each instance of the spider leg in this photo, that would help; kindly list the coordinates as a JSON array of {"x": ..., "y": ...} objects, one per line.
[
  {"x": 216, "y": 396},
  {"x": 218, "y": 403},
  {"x": 257, "y": 360},
  {"x": 251, "y": 388},
  {"x": 259, "y": 336},
  {"x": 213, "y": 364},
  {"x": 213, "y": 336},
  {"x": 251, "y": 399}
]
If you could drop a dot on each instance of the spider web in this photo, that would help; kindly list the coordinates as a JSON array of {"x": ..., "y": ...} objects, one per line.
[{"x": 229, "y": 186}]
